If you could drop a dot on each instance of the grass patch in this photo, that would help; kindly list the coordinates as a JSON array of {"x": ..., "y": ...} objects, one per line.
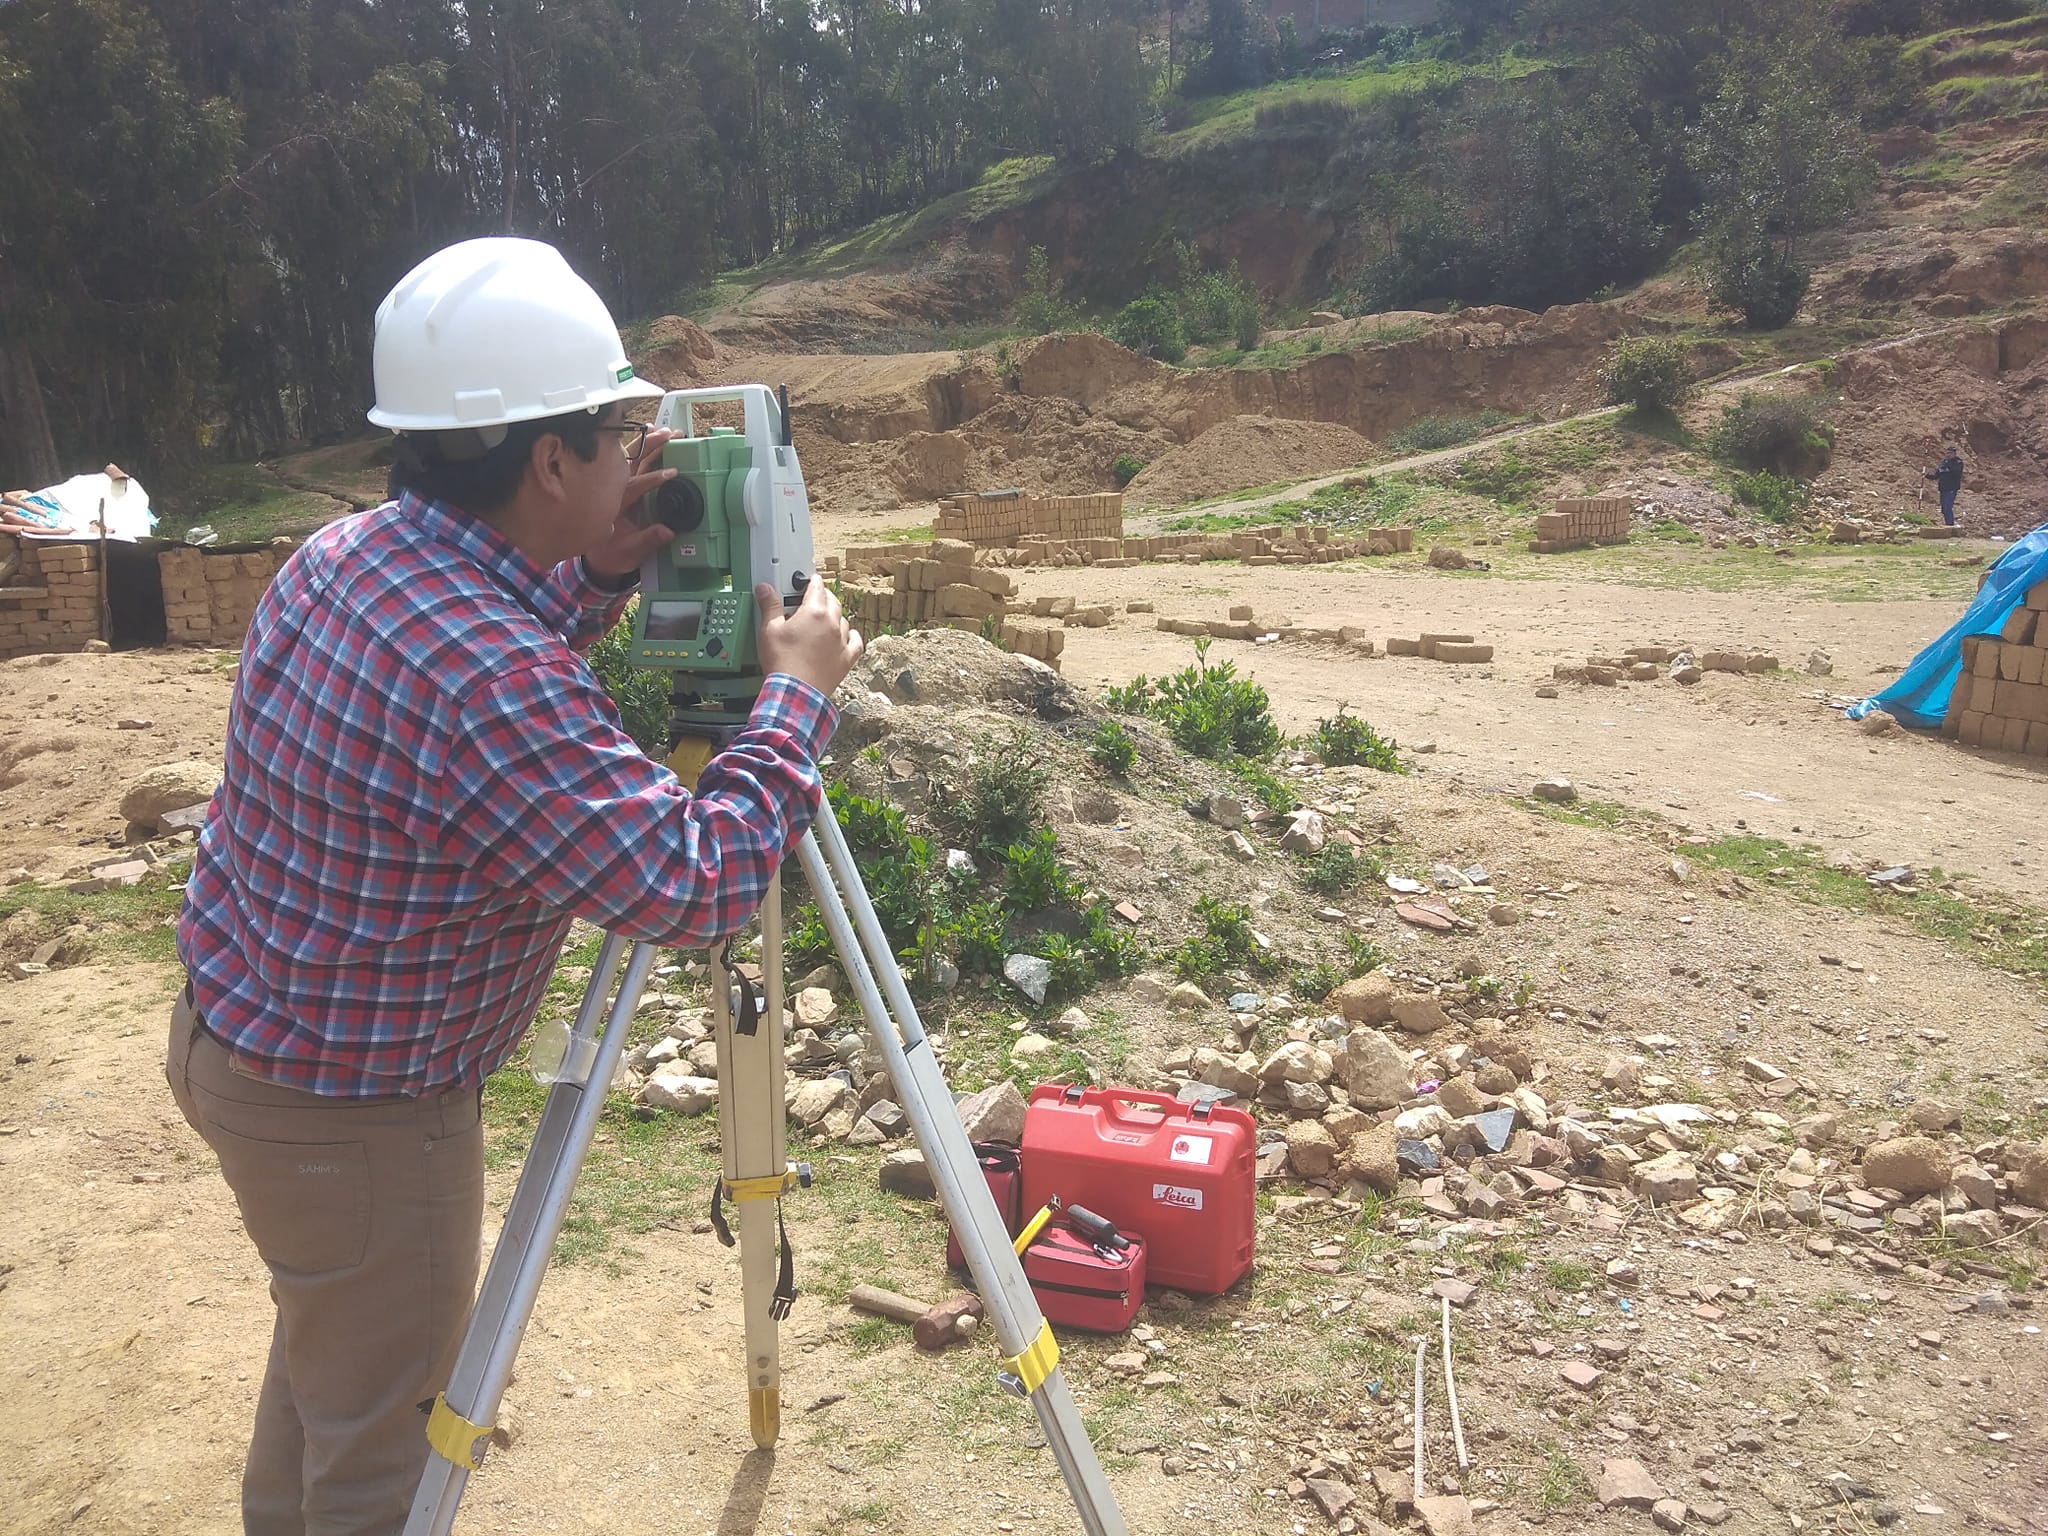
[
  {"x": 1292, "y": 351},
  {"x": 1564, "y": 1482},
  {"x": 1432, "y": 433},
  {"x": 1607, "y": 815},
  {"x": 242, "y": 503},
  {"x": 2005, "y": 935},
  {"x": 135, "y": 923}
]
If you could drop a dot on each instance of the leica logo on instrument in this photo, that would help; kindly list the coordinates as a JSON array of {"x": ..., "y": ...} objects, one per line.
[{"x": 1178, "y": 1196}]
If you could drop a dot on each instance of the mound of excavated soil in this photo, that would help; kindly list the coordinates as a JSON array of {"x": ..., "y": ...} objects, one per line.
[
  {"x": 676, "y": 352},
  {"x": 1245, "y": 451}
]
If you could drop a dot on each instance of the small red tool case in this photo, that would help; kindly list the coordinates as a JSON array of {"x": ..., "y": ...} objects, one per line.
[
  {"x": 1082, "y": 1283},
  {"x": 1178, "y": 1175},
  {"x": 999, "y": 1165}
]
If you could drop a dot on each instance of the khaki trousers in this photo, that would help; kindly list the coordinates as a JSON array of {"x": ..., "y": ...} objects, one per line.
[{"x": 369, "y": 1216}]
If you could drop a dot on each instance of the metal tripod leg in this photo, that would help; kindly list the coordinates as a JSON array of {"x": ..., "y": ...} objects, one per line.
[
  {"x": 751, "y": 1136},
  {"x": 462, "y": 1417},
  {"x": 1031, "y": 1357}
]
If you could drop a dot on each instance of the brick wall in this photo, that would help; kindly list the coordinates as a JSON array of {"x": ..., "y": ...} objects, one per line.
[
  {"x": 51, "y": 600},
  {"x": 209, "y": 598}
]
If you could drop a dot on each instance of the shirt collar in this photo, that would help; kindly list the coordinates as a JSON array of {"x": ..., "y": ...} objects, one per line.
[{"x": 480, "y": 542}]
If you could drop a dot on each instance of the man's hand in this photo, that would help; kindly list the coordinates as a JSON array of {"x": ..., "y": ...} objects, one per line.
[
  {"x": 815, "y": 644},
  {"x": 627, "y": 547}
]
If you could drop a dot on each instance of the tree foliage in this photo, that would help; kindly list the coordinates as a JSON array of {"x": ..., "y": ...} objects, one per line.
[{"x": 207, "y": 198}]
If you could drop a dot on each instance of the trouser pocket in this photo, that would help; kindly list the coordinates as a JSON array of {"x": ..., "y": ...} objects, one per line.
[{"x": 306, "y": 1204}]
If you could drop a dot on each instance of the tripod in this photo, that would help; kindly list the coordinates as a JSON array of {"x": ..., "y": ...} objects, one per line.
[{"x": 755, "y": 1175}]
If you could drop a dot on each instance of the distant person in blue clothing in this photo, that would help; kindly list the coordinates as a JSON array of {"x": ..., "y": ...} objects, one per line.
[{"x": 1948, "y": 479}]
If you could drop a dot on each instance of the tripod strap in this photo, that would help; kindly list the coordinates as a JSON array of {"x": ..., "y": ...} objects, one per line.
[
  {"x": 1039, "y": 1360},
  {"x": 747, "y": 1016},
  {"x": 785, "y": 1276},
  {"x": 769, "y": 1187},
  {"x": 454, "y": 1437}
]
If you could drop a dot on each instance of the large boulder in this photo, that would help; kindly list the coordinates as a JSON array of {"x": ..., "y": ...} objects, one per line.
[
  {"x": 2026, "y": 1167},
  {"x": 994, "y": 1114},
  {"x": 1913, "y": 1165},
  {"x": 156, "y": 792},
  {"x": 1311, "y": 1149},
  {"x": 1371, "y": 1158},
  {"x": 1367, "y": 999},
  {"x": 1375, "y": 1071}
]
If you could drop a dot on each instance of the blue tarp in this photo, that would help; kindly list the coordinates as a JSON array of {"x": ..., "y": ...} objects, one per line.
[{"x": 1920, "y": 697}]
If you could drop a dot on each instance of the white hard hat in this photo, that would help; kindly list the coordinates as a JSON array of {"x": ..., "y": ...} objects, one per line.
[{"x": 495, "y": 331}]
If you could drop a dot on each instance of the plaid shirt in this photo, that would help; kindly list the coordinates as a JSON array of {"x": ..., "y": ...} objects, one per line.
[{"x": 424, "y": 784}]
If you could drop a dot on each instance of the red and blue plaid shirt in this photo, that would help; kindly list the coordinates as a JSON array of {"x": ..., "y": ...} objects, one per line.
[{"x": 424, "y": 784}]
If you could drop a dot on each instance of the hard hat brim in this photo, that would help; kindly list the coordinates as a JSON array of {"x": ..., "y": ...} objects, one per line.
[{"x": 631, "y": 389}]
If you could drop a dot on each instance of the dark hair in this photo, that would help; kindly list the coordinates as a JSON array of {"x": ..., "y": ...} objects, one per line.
[{"x": 447, "y": 466}]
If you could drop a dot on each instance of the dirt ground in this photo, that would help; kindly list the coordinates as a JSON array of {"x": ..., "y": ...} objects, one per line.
[{"x": 1751, "y": 1368}]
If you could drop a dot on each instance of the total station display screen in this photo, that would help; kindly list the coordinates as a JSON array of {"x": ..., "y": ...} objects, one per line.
[{"x": 674, "y": 621}]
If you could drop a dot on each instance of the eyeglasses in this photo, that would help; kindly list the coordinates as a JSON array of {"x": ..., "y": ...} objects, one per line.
[{"x": 634, "y": 441}]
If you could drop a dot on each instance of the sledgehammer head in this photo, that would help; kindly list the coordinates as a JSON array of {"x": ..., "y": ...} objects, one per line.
[{"x": 950, "y": 1322}]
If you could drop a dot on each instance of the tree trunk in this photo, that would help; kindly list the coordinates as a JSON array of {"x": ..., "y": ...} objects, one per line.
[{"x": 28, "y": 454}]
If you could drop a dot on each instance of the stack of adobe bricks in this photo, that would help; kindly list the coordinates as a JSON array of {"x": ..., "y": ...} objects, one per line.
[
  {"x": 1006, "y": 518},
  {"x": 2001, "y": 698},
  {"x": 943, "y": 587},
  {"x": 1577, "y": 521},
  {"x": 1440, "y": 648},
  {"x": 50, "y": 600},
  {"x": 209, "y": 598}
]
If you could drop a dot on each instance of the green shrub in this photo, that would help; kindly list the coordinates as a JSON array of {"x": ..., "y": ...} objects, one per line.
[
  {"x": 641, "y": 695},
  {"x": 1116, "y": 951},
  {"x": 1755, "y": 281},
  {"x": 1647, "y": 373},
  {"x": 1214, "y": 713},
  {"x": 896, "y": 864},
  {"x": 1113, "y": 749},
  {"x": 1042, "y": 309},
  {"x": 1153, "y": 327},
  {"x": 1124, "y": 469},
  {"x": 1226, "y": 940},
  {"x": 1003, "y": 797},
  {"x": 1333, "y": 870},
  {"x": 1132, "y": 698},
  {"x": 1776, "y": 498},
  {"x": 1362, "y": 957},
  {"x": 979, "y": 937},
  {"x": 1033, "y": 878},
  {"x": 1343, "y": 740},
  {"x": 1434, "y": 432},
  {"x": 1271, "y": 791},
  {"x": 1783, "y": 433}
]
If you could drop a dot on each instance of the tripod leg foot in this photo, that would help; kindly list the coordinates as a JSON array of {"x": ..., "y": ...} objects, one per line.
[{"x": 764, "y": 1412}]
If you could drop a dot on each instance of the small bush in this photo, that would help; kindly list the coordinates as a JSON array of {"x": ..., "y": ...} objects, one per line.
[
  {"x": 1113, "y": 749},
  {"x": 1776, "y": 498},
  {"x": 1153, "y": 327},
  {"x": 1214, "y": 713},
  {"x": 1785, "y": 434},
  {"x": 1333, "y": 870},
  {"x": 1271, "y": 791},
  {"x": 1033, "y": 878},
  {"x": 1647, "y": 373},
  {"x": 1132, "y": 698},
  {"x": 1434, "y": 432},
  {"x": 1344, "y": 740},
  {"x": 1003, "y": 798},
  {"x": 1226, "y": 940},
  {"x": 1764, "y": 289},
  {"x": 1042, "y": 309},
  {"x": 978, "y": 937},
  {"x": 1124, "y": 469},
  {"x": 1115, "y": 951}
]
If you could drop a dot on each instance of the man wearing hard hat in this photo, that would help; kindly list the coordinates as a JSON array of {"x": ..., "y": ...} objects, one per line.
[{"x": 424, "y": 784}]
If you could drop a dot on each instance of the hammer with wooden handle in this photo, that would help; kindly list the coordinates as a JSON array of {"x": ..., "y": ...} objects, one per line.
[{"x": 934, "y": 1327}]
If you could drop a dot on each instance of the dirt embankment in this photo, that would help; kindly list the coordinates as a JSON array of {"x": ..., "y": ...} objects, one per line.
[{"x": 1052, "y": 414}]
